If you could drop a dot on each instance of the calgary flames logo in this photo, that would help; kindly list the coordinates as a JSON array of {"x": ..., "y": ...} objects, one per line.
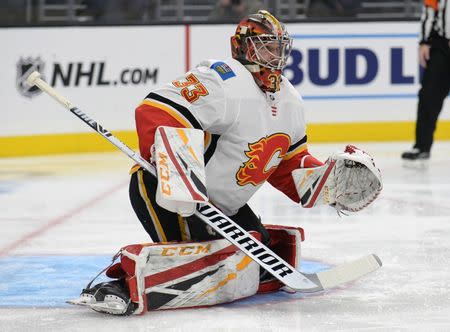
[{"x": 265, "y": 155}]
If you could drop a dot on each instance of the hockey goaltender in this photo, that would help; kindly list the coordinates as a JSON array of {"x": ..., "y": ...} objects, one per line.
[{"x": 213, "y": 136}]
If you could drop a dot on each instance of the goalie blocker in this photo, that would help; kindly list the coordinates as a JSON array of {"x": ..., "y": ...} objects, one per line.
[{"x": 186, "y": 274}]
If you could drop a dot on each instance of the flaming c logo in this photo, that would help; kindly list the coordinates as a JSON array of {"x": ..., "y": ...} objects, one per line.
[{"x": 264, "y": 157}]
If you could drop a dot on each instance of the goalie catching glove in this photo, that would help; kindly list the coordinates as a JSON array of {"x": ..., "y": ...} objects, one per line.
[{"x": 349, "y": 181}]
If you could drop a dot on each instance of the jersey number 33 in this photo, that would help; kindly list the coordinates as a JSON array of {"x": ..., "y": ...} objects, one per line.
[{"x": 191, "y": 88}]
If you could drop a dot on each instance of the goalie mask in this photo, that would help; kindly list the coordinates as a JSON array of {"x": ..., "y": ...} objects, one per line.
[{"x": 262, "y": 44}]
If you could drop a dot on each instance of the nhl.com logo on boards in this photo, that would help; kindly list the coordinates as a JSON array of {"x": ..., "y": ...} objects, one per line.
[{"x": 80, "y": 74}]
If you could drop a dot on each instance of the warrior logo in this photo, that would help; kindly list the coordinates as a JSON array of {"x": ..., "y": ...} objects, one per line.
[
  {"x": 24, "y": 68},
  {"x": 265, "y": 155}
]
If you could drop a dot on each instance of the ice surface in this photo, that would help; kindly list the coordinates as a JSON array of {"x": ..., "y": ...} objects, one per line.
[{"x": 64, "y": 216}]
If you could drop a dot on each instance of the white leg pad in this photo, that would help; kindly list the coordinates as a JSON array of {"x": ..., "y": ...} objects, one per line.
[{"x": 188, "y": 274}]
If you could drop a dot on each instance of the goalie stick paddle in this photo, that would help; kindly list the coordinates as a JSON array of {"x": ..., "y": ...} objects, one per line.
[{"x": 226, "y": 227}]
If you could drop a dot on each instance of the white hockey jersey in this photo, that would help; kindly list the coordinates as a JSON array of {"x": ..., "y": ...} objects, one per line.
[{"x": 249, "y": 135}]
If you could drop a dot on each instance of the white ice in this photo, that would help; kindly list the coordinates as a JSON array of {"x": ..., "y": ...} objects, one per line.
[{"x": 78, "y": 205}]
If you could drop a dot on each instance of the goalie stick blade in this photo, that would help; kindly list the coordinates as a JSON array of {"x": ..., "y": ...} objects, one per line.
[{"x": 346, "y": 272}]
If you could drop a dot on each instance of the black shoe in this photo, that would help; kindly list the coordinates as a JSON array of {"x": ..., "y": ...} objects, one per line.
[{"x": 415, "y": 154}]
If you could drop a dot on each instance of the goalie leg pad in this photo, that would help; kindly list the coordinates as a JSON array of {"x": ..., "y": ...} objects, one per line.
[
  {"x": 180, "y": 275},
  {"x": 285, "y": 241},
  {"x": 177, "y": 275}
]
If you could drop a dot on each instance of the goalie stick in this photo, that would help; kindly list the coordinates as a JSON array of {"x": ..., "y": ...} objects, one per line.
[{"x": 226, "y": 227}]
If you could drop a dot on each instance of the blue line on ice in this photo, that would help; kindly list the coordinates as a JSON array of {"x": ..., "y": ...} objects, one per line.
[{"x": 49, "y": 281}]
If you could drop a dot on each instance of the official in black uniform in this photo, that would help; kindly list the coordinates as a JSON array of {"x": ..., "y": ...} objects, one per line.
[{"x": 434, "y": 56}]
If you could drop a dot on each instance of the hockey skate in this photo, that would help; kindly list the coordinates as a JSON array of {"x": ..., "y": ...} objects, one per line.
[
  {"x": 107, "y": 297},
  {"x": 416, "y": 158}
]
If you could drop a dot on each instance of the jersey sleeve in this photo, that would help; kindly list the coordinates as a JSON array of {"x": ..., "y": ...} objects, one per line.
[
  {"x": 297, "y": 157},
  {"x": 216, "y": 110},
  {"x": 148, "y": 117},
  {"x": 199, "y": 98},
  {"x": 429, "y": 10},
  {"x": 194, "y": 100}
]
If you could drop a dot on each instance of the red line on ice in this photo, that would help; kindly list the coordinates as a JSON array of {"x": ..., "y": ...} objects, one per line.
[{"x": 59, "y": 220}]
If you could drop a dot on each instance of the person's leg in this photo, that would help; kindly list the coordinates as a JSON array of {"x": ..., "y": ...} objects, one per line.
[
  {"x": 160, "y": 224},
  {"x": 249, "y": 221},
  {"x": 163, "y": 225},
  {"x": 435, "y": 88}
]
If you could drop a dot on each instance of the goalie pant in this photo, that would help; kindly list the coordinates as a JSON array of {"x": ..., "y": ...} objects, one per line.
[
  {"x": 164, "y": 226},
  {"x": 194, "y": 274}
]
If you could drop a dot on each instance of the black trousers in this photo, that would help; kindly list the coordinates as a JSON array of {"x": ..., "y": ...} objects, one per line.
[
  {"x": 163, "y": 225},
  {"x": 435, "y": 88}
]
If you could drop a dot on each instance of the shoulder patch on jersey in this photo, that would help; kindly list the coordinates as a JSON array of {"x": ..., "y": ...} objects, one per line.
[{"x": 224, "y": 71}]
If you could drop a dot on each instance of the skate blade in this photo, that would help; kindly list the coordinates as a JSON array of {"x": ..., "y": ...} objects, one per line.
[
  {"x": 83, "y": 300},
  {"x": 416, "y": 164},
  {"x": 110, "y": 307},
  {"x": 77, "y": 302}
]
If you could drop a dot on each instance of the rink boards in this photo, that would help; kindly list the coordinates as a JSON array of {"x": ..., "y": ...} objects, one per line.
[{"x": 359, "y": 80}]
